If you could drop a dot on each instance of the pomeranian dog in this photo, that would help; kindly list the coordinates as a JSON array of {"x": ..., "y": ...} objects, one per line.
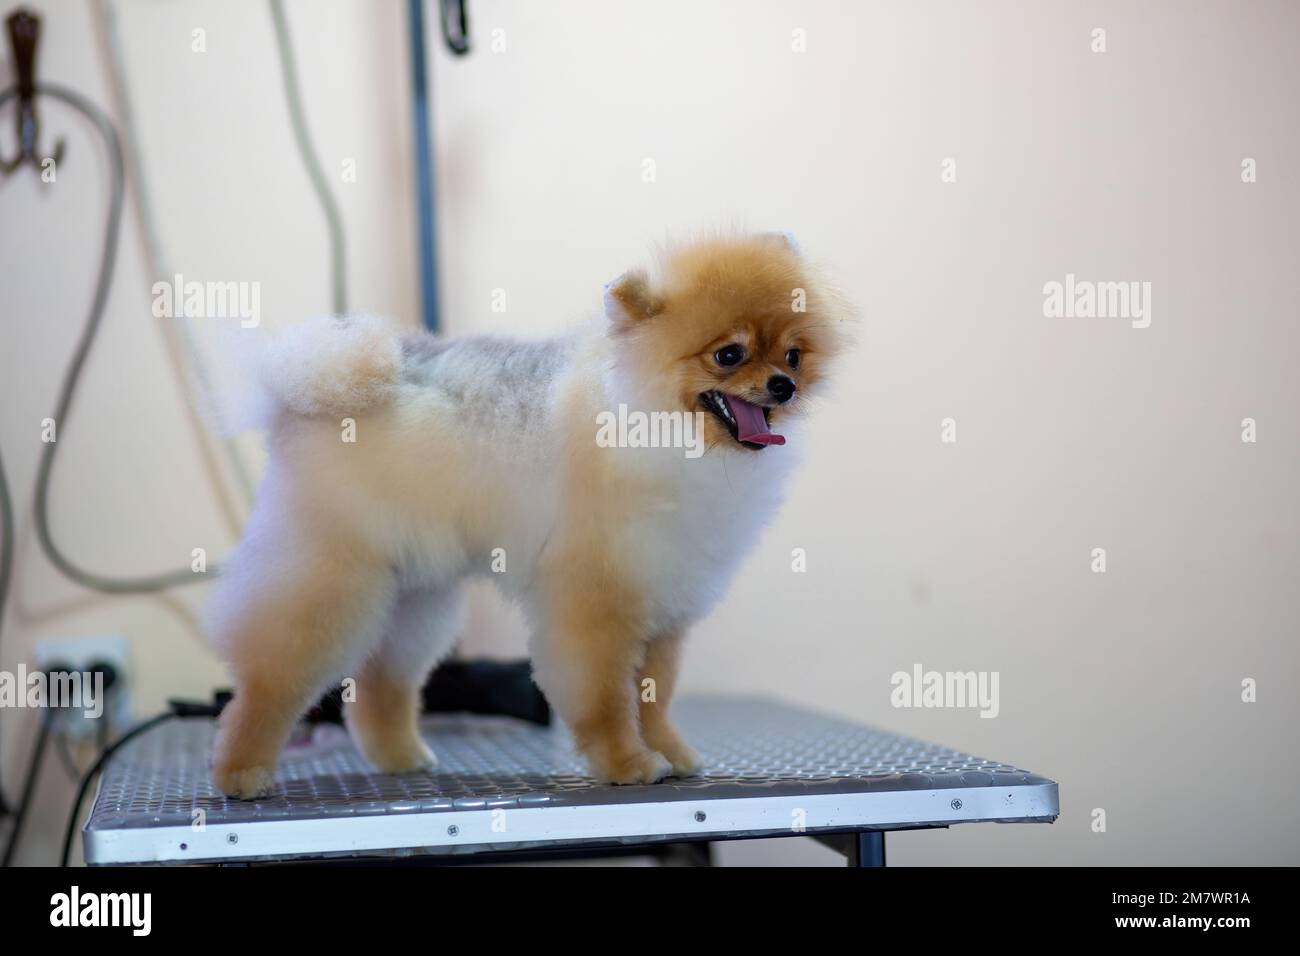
[{"x": 400, "y": 464}]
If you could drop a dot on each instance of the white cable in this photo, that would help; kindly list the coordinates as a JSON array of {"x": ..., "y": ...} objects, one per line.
[{"x": 201, "y": 379}]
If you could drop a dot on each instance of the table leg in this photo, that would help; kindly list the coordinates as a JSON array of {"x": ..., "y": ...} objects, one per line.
[
  {"x": 866, "y": 848},
  {"x": 686, "y": 854}
]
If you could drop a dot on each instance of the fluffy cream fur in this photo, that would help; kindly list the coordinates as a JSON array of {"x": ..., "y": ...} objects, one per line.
[{"x": 470, "y": 452}]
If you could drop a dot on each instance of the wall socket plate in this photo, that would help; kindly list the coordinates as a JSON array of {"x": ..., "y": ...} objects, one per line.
[{"x": 77, "y": 653}]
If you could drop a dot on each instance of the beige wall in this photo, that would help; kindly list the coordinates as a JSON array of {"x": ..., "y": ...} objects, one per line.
[{"x": 1072, "y": 433}]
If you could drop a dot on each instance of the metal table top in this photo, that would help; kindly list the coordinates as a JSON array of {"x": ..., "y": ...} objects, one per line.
[{"x": 503, "y": 784}]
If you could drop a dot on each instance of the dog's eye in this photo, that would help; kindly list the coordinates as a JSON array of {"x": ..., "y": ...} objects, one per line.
[
  {"x": 792, "y": 358},
  {"x": 729, "y": 355}
]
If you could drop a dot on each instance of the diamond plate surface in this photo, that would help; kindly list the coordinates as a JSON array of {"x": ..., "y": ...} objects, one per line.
[{"x": 755, "y": 748}]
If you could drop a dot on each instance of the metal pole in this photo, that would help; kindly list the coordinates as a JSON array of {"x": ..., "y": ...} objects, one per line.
[{"x": 423, "y": 167}]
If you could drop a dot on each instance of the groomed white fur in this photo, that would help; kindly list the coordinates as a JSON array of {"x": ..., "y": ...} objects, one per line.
[{"x": 332, "y": 365}]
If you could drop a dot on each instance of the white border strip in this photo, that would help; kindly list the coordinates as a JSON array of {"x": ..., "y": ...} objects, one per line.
[{"x": 447, "y": 831}]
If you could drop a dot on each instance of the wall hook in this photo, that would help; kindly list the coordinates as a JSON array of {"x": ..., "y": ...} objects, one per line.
[
  {"x": 24, "y": 35},
  {"x": 455, "y": 25}
]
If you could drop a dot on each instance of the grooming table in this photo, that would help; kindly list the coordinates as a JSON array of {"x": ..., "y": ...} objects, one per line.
[{"x": 505, "y": 787}]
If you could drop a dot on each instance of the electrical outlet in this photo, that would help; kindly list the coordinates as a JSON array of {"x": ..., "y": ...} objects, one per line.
[{"x": 80, "y": 654}]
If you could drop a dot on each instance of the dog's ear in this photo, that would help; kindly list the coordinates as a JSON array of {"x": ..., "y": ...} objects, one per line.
[
  {"x": 785, "y": 239},
  {"x": 629, "y": 300}
]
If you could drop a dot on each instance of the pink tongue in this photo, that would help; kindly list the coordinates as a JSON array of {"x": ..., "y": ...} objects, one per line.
[{"x": 751, "y": 426}]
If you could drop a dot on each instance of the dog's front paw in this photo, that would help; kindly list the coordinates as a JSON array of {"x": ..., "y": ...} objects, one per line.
[
  {"x": 683, "y": 758},
  {"x": 663, "y": 738},
  {"x": 412, "y": 758},
  {"x": 244, "y": 783},
  {"x": 645, "y": 766}
]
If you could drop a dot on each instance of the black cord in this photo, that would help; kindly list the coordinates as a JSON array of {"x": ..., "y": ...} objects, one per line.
[
  {"x": 29, "y": 787},
  {"x": 45, "y": 468},
  {"x": 94, "y": 770}
]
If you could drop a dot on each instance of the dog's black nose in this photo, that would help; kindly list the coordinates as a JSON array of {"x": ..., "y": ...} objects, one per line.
[{"x": 781, "y": 388}]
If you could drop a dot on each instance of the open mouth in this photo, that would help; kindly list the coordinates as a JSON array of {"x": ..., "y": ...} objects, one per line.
[{"x": 747, "y": 422}]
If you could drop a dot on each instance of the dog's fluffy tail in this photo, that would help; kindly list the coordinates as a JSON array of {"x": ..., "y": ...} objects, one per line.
[{"x": 337, "y": 365}]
